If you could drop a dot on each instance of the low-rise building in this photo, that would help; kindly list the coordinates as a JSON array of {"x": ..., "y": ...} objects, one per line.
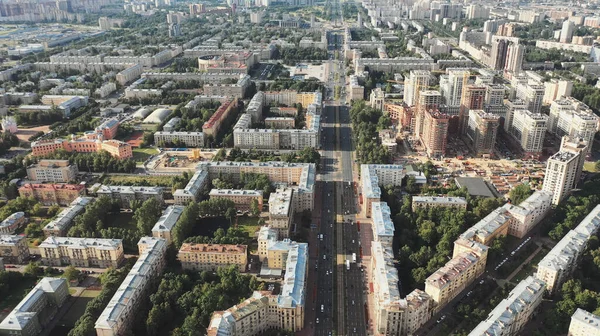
[
  {"x": 12, "y": 223},
  {"x": 192, "y": 190},
  {"x": 265, "y": 310},
  {"x": 436, "y": 201},
  {"x": 63, "y": 221},
  {"x": 383, "y": 227},
  {"x": 81, "y": 252},
  {"x": 166, "y": 222},
  {"x": 242, "y": 198},
  {"x": 173, "y": 138},
  {"x": 120, "y": 312},
  {"x": 529, "y": 213},
  {"x": 375, "y": 175},
  {"x": 14, "y": 249},
  {"x": 495, "y": 224},
  {"x": 126, "y": 194},
  {"x": 50, "y": 194},
  {"x": 37, "y": 309},
  {"x": 210, "y": 257},
  {"x": 281, "y": 211},
  {"x": 584, "y": 323},
  {"x": 52, "y": 171},
  {"x": 266, "y": 237},
  {"x": 511, "y": 314}
]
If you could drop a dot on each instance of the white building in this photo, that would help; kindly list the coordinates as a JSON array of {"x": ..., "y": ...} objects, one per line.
[
  {"x": 512, "y": 313},
  {"x": 584, "y": 323},
  {"x": 417, "y": 81},
  {"x": 192, "y": 190},
  {"x": 383, "y": 227},
  {"x": 189, "y": 139},
  {"x": 532, "y": 95},
  {"x": 166, "y": 222},
  {"x": 571, "y": 117},
  {"x": 563, "y": 169},
  {"x": 118, "y": 315},
  {"x": 529, "y": 129}
]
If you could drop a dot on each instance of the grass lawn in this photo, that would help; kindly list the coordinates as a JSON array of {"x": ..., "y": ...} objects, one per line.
[
  {"x": 142, "y": 154},
  {"x": 122, "y": 220},
  {"x": 162, "y": 181},
  {"x": 91, "y": 293},
  {"x": 249, "y": 224},
  {"x": 589, "y": 166},
  {"x": 17, "y": 294}
]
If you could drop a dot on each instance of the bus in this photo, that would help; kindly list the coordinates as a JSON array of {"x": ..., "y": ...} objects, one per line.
[
  {"x": 354, "y": 257},
  {"x": 347, "y": 265}
]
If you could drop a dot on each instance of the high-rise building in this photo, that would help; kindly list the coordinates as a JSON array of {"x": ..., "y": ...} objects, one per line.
[
  {"x": 498, "y": 54},
  {"x": 529, "y": 130},
  {"x": 476, "y": 11},
  {"x": 428, "y": 100},
  {"x": 566, "y": 33},
  {"x": 481, "y": 132},
  {"x": 571, "y": 117},
  {"x": 452, "y": 89},
  {"x": 564, "y": 168},
  {"x": 377, "y": 99},
  {"x": 494, "y": 99},
  {"x": 473, "y": 99},
  {"x": 532, "y": 95},
  {"x": 557, "y": 89},
  {"x": 510, "y": 108},
  {"x": 514, "y": 57},
  {"x": 435, "y": 133},
  {"x": 418, "y": 81}
]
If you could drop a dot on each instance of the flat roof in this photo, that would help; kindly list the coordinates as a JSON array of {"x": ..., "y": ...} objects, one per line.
[{"x": 475, "y": 185}]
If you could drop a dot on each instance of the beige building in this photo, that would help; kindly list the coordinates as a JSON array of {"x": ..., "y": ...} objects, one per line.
[
  {"x": 81, "y": 252},
  {"x": 126, "y": 194},
  {"x": 265, "y": 310},
  {"x": 491, "y": 226},
  {"x": 266, "y": 237},
  {"x": 281, "y": 211},
  {"x": 209, "y": 257},
  {"x": 63, "y": 221},
  {"x": 372, "y": 177},
  {"x": 166, "y": 222},
  {"x": 14, "y": 249},
  {"x": 242, "y": 198},
  {"x": 52, "y": 171},
  {"x": 419, "y": 202},
  {"x": 116, "y": 318},
  {"x": 584, "y": 323},
  {"x": 280, "y": 122},
  {"x": 445, "y": 283},
  {"x": 37, "y": 309}
]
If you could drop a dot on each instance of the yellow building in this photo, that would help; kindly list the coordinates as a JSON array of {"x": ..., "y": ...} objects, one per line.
[
  {"x": 81, "y": 252},
  {"x": 242, "y": 198},
  {"x": 209, "y": 257},
  {"x": 14, "y": 249}
]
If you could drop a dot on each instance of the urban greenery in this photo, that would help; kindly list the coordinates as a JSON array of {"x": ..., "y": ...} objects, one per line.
[{"x": 366, "y": 122}]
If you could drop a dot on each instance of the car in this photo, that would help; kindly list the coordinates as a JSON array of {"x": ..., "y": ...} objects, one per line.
[
  {"x": 353, "y": 302},
  {"x": 322, "y": 308},
  {"x": 317, "y": 321}
]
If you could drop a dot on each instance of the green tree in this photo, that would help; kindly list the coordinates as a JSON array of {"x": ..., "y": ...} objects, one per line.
[
  {"x": 33, "y": 269},
  {"x": 33, "y": 230},
  {"x": 254, "y": 210},
  {"x": 71, "y": 273},
  {"x": 230, "y": 214},
  {"x": 520, "y": 193},
  {"x": 147, "y": 215}
]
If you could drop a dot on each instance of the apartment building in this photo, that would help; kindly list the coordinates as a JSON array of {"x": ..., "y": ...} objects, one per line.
[
  {"x": 166, "y": 222},
  {"x": 512, "y": 313},
  {"x": 213, "y": 125},
  {"x": 37, "y": 309},
  {"x": 120, "y": 312},
  {"x": 529, "y": 213},
  {"x": 192, "y": 190},
  {"x": 420, "y": 202},
  {"x": 417, "y": 81},
  {"x": 528, "y": 129},
  {"x": 532, "y": 95},
  {"x": 14, "y": 249},
  {"x": 298, "y": 176},
  {"x": 50, "y": 194},
  {"x": 52, "y": 171},
  {"x": 210, "y": 257},
  {"x": 284, "y": 311},
  {"x": 383, "y": 227},
  {"x": 560, "y": 262},
  {"x": 280, "y": 122},
  {"x": 356, "y": 91},
  {"x": 241, "y": 198},
  {"x": 556, "y": 89},
  {"x": 174, "y": 138},
  {"x": 377, "y": 99},
  {"x": 568, "y": 116},
  {"x": 394, "y": 315},
  {"x": 277, "y": 138},
  {"x": 584, "y": 323},
  {"x": 12, "y": 223},
  {"x": 495, "y": 224},
  {"x": 81, "y": 252},
  {"x": 267, "y": 236},
  {"x": 563, "y": 170},
  {"x": 435, "y": 133},
  {"x": 281, "y": 211},
  {"x": 445, "y": 283},
  {"x": 126, "y": 194},
  {"x": 375, "y": 175},
  {"x": 108, "y": 128},
  {"x": 59, "y": 226},
  {"x": 482, "y": 129}
]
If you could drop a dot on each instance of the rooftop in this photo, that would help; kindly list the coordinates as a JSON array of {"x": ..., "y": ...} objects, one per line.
[
  {"x": 280, "y": 202},
  {"x": 213, "y": 248},
  {"x": 587, "y": 318},
  {"x": 168, "y": 219},
  {"x": 382, "y": 222}
]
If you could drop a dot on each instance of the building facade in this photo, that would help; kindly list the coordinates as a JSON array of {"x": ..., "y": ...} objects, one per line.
[
  {"x": 81, "y": 252},
  {"x": 52, "y": 171},
  {"x": 50, "y": 194},
  {"x": 210, "y": 257}
]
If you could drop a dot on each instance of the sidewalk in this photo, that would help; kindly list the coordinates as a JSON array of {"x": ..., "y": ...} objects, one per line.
[{"x": 525, "y": 262}]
